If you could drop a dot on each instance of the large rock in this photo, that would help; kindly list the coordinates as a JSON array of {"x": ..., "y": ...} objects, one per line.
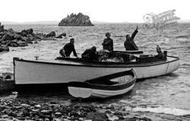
[
  {"x": 61, "y": 35},
  {"x": 11, "y": 38},
  {"x": 76, "y": 20},
  {"x": 26, "y": 32},
  {"x": 51, "y": 34},
  {"x": 1, "y": 27}
]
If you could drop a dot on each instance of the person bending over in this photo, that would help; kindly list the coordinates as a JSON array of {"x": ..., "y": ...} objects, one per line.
[
  {"x": 90, "y": 54},
  {"x": 68, "y": 49}
]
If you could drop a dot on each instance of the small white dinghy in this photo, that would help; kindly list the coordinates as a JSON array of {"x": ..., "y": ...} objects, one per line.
[{"x": 105, "y": 86}]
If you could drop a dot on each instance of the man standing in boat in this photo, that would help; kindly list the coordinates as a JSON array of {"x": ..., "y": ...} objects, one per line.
[
  {"x": 129, "y": 42},
  {"x": 108, "y": 42},
  {"x": 68, "y": 49}
]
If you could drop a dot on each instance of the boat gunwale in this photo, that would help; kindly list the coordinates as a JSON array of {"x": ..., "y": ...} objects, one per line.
[
  {"x": 93, "y": 83},
  {"x": 104, "y": 65},
  {"x": 103, "y": 87}
]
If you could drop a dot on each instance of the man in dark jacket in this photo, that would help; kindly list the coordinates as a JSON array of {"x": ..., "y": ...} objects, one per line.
[
  {"x": 108, "y": 42},
  {"x": 129, "y": 42},
  {"x": 68, "y": 49},
  {"x": 90, "y": 54}
]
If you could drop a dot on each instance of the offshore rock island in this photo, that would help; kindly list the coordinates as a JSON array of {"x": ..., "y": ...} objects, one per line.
[{"x": 76, "y": 20}]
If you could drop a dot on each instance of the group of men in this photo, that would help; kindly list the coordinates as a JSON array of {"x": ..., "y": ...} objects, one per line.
[{"x": 91, "y": 54}]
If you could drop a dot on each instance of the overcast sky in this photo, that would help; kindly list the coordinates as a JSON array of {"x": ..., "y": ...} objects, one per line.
[{"x": 98, "y": 10}]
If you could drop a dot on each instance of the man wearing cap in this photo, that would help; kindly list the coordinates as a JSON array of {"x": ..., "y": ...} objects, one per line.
[
  {"x": 108, "y": 42},
  {"x": 68, "y": 49}
]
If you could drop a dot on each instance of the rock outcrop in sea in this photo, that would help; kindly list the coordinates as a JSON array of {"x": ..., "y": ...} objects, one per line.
[
  {"x": 11, "y": 38},
  {"x": 1, "y": 27},
  {"x": 76, "y": 20}
]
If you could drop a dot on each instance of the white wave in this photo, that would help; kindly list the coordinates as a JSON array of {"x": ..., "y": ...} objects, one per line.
[
  {"x": 173, "y": 111},
  {"x": 156, "y": 109}
]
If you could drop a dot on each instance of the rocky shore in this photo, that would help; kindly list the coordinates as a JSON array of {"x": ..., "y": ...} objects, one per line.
[
  {"x": 13, "y": 108},
  {"x": 11, "y": 38},
  {"x": 76, "y": 20}
]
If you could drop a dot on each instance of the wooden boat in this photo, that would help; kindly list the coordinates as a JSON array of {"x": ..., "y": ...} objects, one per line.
[
  {"x": 147, "y": 67},
  {"x": 67, "y": 70},
  {"x": 103, "y": 87}
]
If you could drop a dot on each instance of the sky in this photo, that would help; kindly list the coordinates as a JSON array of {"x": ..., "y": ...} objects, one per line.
[{"x": 98, "y": 10}]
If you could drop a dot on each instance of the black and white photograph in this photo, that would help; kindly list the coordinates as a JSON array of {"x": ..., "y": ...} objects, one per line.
[{"x": 94, "y": 60}]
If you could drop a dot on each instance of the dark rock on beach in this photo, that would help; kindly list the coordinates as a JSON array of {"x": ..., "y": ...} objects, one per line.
[
  {"x": 26, "y": 32},
  {"x": 15, "y": 108},
  {"x": 61, "y": 35},
  {"x": 76, "y": 20},
  {"x": 11, "y": 38},
  {"x": 1, "y": 27},
  {"x": 51, "y": 34}
]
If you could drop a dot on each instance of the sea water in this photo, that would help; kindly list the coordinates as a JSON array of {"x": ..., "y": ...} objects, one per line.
[{"x": 165, "y": 94}]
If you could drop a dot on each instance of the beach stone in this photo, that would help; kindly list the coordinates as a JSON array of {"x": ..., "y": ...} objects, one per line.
[
  {"x": 13, "y": 113},
  {"x": 46, "y": 119},
  {"x": 2, "y": 107},
  {"x": 57, "y": 119},
  {"x": 7, "y": 111},
  {"x": 58, "y": 114},
  {"x": 35, "y": 110},
  {"x": 46, "y": 112},
  {"x": 119, "y": 115},
  {"x": 25, "y": 105},
  {"x": 4, "y": 116},
  {"x": 138, "y": 119},
  {"x": 66, "y": 120},
  {"x": 18, "y": 107},
  {"x": 37, "y": 106},
  {"x": 96, "y": 116},
  {"x": 112, "y": 117}
]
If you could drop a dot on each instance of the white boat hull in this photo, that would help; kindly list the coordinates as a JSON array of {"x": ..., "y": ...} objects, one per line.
[
  {"x": 41, "y": 72},
  {"x": 157, "y": 69},
  {"x": 46, "y": 73},
  {"x": 87, "y": 92}
]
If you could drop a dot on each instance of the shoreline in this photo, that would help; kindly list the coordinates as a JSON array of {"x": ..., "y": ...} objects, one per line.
[{"x": 18, "y": 108}]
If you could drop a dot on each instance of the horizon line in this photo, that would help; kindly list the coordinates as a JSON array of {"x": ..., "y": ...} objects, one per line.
[{"x": 94, "y": 22}]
